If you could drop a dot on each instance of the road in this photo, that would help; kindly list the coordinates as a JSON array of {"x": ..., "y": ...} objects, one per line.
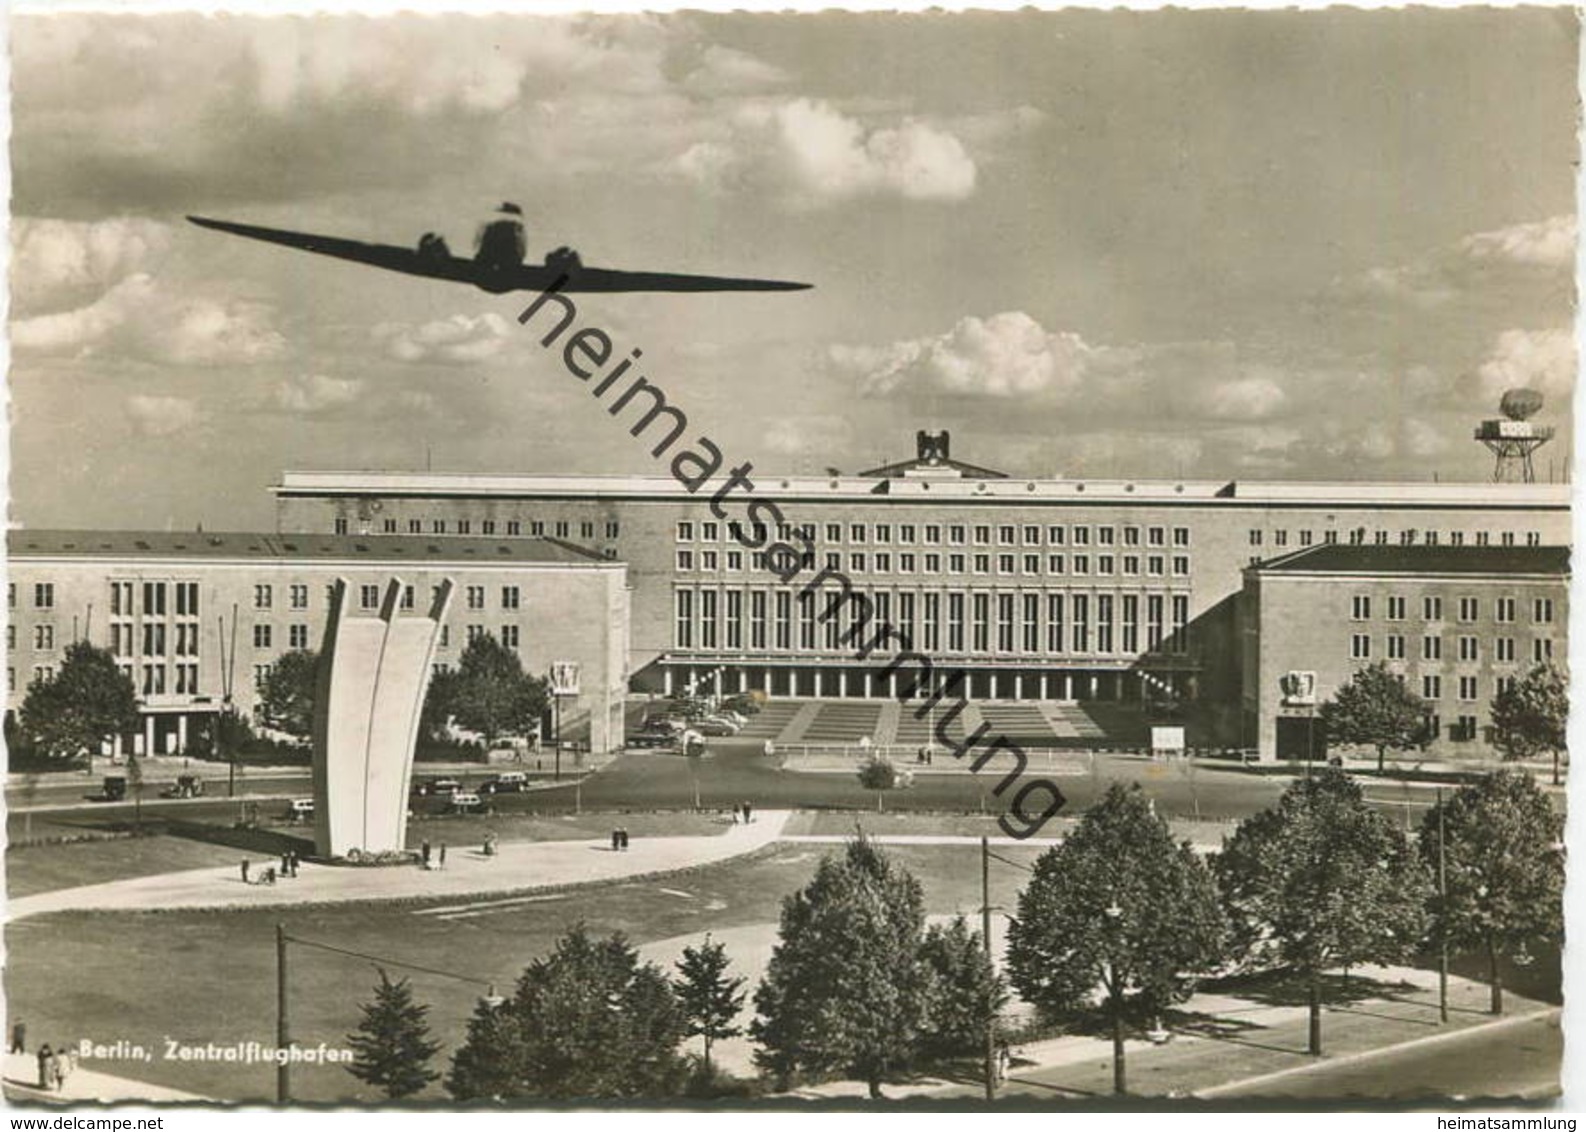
[{"x": 1517, "y": 1060}]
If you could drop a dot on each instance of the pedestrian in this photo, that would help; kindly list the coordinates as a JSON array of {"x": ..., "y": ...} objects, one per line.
[
  {"x": 623, "y": 834},
  {"x": 443, "y": 854},
  {"x": 746, "y": 814},
  {"x": 286, "y": 863},
  {"x": 292, "y": 861},
  {"x": 19, "y": 1037},
  {"x": 425, "y": 851},
  {"x": 245, "y": 870},
  {"x": 63, "y": 1066},
  {"x": 616, "y": 840},
  {"x": 1002, "y": 1061},
  {"x": 46, "y": 1055},
  {"x": 735, "y": 813}
]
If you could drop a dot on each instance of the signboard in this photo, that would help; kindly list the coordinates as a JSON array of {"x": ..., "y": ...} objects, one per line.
[
  {"x": 564, "y": 677},
  {"x": 1299, "y": 688},
  {"x": 1167, "y": 738}
]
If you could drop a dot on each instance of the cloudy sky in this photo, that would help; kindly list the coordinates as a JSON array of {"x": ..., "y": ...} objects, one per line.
[{"x": 1217, "y": 245}]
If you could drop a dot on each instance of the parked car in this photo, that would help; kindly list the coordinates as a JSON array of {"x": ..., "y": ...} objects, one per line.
[
  {"x": 649, "y": 740},
  {"x": 507, "y": 782},
  {"x": 185, "y": 786},
  {"x": 464, "y": 801},
  {"x": 300, "y": 809},
  {"x": 716, "y": 727},
  {"x": 435, "y": 786},
  {"x": 115, "y": 788}
]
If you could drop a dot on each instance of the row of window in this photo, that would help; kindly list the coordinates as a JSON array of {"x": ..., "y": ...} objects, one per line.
[
  {"x": 1503, "y": 609},
  {"x": 955, "y": 621},
  {"x": 1410, "y": 537},
  {"x": 886, "y": 562},
  {"x": 1360, "y": 648},
  {"x": 513, "y": 528},
  {"x": 957, "y": 534}
]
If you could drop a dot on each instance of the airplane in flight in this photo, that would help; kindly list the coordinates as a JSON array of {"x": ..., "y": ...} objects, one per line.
[{"x": 497, "y": 265}]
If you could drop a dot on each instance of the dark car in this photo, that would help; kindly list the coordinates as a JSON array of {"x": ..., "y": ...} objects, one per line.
[{"x": 435, "y": 786}]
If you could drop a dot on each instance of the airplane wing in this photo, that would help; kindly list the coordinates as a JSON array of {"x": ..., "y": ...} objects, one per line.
[{"x": 524, "y": 277}]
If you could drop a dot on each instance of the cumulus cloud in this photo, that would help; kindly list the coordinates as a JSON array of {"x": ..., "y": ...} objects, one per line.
[
  {"x": 1543, "y": 360},
  {"x": 813, "y": 154},
  {"x": 316, "y": 393},
  {"x": 459, "y": 340},
  {"x": 1245, "y": 399},
  {"x": 726, "y": 70},
  {"x": 156, "y": 415},
  {"x": 60, "y": 264},
  {"x": 1007, "y": 355},
  {"x": 1545, "y": 243},
  {"x": 137, "y": 319}
]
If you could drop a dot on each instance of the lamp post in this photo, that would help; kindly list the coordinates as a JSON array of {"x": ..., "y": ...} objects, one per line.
[{"x": 1114, "y": 916}]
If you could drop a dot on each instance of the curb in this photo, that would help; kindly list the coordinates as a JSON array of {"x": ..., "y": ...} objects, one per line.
[{"x": 1362, "y": 1055}]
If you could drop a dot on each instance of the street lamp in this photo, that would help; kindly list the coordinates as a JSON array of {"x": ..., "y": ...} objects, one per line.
[{"x": 1114, "y": 915}]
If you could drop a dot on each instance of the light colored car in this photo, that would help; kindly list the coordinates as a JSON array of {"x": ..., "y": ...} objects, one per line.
[
  {"x": 300, "y": 809},
  {"x": 464, "y": 801}
]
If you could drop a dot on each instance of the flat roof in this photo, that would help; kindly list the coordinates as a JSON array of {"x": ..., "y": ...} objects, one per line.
[
  {"x": 1334, "y": 558},
  {"x": 1234, "y": 493},
  {"x": 242, "y": 545}
]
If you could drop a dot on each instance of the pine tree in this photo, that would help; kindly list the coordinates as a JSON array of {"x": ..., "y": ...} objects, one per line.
[
  {"x": 391, "y": 1047},
  {"x": 1503, "y": 852},
  {"x": 846, "y": 990},
  {"x": 1120, "y": 907},
  {"x": 709, "y": 1000}
]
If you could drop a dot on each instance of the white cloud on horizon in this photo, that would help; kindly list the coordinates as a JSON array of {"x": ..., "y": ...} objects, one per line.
[
  {"x": 162, "y": 415},
  {"x": 316, "y": 393}
]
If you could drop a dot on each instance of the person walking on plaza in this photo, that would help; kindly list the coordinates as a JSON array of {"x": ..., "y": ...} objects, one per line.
[
  {"x": 286, "y": 863},
  {"x": 291, "y": 863},
  {"x": 63, "y": 1066},
  {"x": 735, "y": 813},
  {"x": 746, "y": 814},
  {"x": 19, "y": 1037},
  {"x": 616, "y": 840},
  {"x": 622, "y": 836},
  {"x": 46, "y": 1056},
  {"x": 443, "y": 854},
  {"x": 425, "y": 851},
  {"x": 244, "y": 870}
]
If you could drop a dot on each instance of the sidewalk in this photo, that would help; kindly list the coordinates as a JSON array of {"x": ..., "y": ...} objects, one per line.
[
  {"x": 520, "y": 866},
  {"x": 21, "y": 1083}
]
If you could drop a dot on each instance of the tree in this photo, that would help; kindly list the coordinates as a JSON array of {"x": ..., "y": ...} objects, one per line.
[
  {"x": 88, "y": 701},
  {"x": 1503, "y": 858},
  {"x": 588, "y": 1021},
  {"x": 491, "y": 694},
  {"x": 1121, "y": 907},
  {"x": 1321, "y": 880},
  {"x": 966, "y": 991},
  {"x": 845, "y": 990},
  {"x": 710, "y": 1001},
  {"x": 1375, "y": 709},
  {"x": 1529, "y": 716},
  {"x": 391, "y": 1047},
  {"x": 881, "y": 774},
  {"x": 286, "y": 698}
]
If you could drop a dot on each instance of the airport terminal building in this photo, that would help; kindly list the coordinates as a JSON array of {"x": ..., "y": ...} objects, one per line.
[
  {"x": 1067, "y": 590},
  {"x": 195, "y": 619}
]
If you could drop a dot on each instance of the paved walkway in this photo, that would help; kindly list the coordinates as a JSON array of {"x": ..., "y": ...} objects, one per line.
[
  {"x": 519, "y": 866},
  {"x": 22, "y": 1084}
]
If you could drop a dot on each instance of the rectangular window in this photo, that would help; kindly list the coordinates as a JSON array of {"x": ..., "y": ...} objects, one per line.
[
  {"x": 1032, "y": 536},
  {"x": 1396, "y": 607},
  {"x": 1468, "y": 608},
  {"x": 1180, "y": 638},
  {"x": 955, "y": 535},
  {"x": 476, "y": 597},
  {"x": 883, "y": 532},
  {"x": 368, "y": 596},
  {"x": 44, "y": 636},
  {"x": 709, "y": 532},
  {"x": 509, "y": 597},
  {"x": 1005, "y": 623},
  {"x": 856, "y": 532},
  {"x": 1360, "y": 646},
  {"x": 735, "y": 560},
  {"x": 261, "y": 636},
  {"x": 1431, "y": 648},
  {"x": 1360, "y": 608},
  {"x": 1156, "y": 536},
  {"x": 1431, "y": 687},
  {"x": 1054, "y": 563},
  {"x": 1467, "y": 688},
  {"x": 1081, "y": 632},
  {"x": 474, "y": 632},
  {"x": 980, "y": 622},
  {"x": 1180, "y": 566},
  {"x": 1104, "y": 536},
  {"x": 562, "y": 529},
  {"x": 1181, "y": 536},
  {"x": 1431, "y": 608},
  {"x": 955, "y": 622},
  {"x": 1469, "y": 649},
  {"x": 982, "y": 563},
  {"x": 1081, "y": 563},
  {"x": 297, "y": 636},
  {"x": 1005, "y": 563},
  {"x": 784, "y": 619},
  {"x": 1131, "y": 623},
  {"x": 683, "y": 634},
  {"x": 1503, "y": 610},
  {"x": 1054, "y": 623},
  {"x": 982, "y": 535},
  {"x": 299, "y": 596},
  {"x": 1504, "y": 647},
  {"x": 856, "y": 563},
  {"x": 1030, "y": 640},
  {"x": 586, "y": 529},
  {"x": 514, "y": 528},
  {"x": 1255, "y": 538},
  {"x": 757, "y": 637},
  {"x": 708, "y": 560},
  {"x": 1542, "y": 611},
  {"x": 1055, "y": 536},
  {"x": 955, "y": 564},
  {"x": 1104, "y": 623},
  {"x": 1542, "y": 650},
  {"x": 437, "y": 526},
  {"x": 537, "y": 528},
  {"x": 1032, "y": 563},
  {"x": 153, "y": 599},
  {"x": 1081, "y": 536},
  {"x": 1280, "y": 538},
  {"x": 685, "y": 560},
  {"x": 464, "y": 526},
  {"x": 1395, "y": 646},
  {"x": 1007, "y": 535},
  {"x": 1154, "y": 623},
  {"x": 733, "y": 618},
  {"x": 1153, "y": 565},
  {"x": 1104, "y": 563},
  {"x": 187, "y": 599},
  {"x": 707, "y": 619}
]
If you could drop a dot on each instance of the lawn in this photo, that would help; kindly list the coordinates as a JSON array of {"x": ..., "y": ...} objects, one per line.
[
  {"x": 200, "y": 976},
  {"x": 46, "y": 868}
]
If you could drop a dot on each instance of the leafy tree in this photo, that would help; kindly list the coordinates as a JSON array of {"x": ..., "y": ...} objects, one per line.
[
  {"x": 588, "y": 1021},
  {"x": 966, "y": 991},
  {"x": 1375, "y": 709},
  {"x": 491, "y": 694},
  {"x": 391, "y": 1047},
  {"x": 1529, "y": 717},
  {"x": 439, "y": 700},
  {"x": 1503, "y": 859},
  {"x": 1121, "y": 907},
  {"x": 881, "y": 774},
  {"x": 710, "y": 1001},
  {"x": 846, "y": 990},
  {"x": 286, "y": 698},
  {"x": 86, "y": 702},
  {"x": 1322, "y": 880}
]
